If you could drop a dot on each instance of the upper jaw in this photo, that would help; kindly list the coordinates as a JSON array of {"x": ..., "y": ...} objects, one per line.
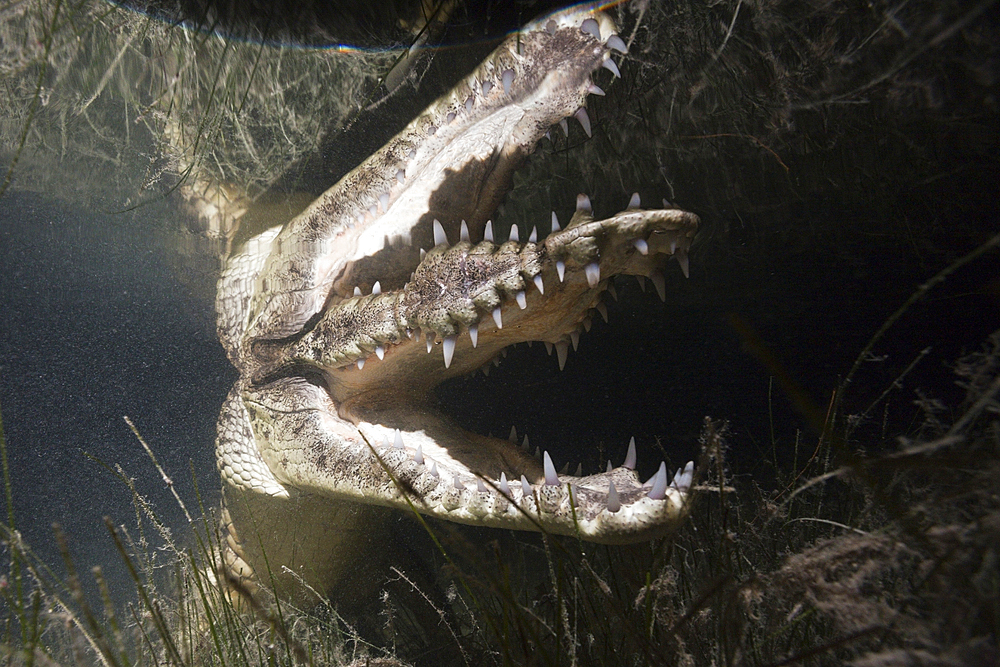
[{"x": 454, "y": 162}]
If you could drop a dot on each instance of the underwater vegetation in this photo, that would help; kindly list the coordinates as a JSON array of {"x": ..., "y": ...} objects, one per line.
[{"x": 844, "y": 160}]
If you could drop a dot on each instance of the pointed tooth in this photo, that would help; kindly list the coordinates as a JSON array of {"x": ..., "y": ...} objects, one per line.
[
  {"x": 562, "y": 350},
  {"x": 594, "y": 89},
  {"x": 548, "y": 347},
  {"x": 593, "y": 271},
  {"x": 464, "y": 232},
  {"x": 565, "y": 127},
  {"x": 682, "y": 259},
  {"x": 418, "y": 455},
  {"x": 480, "y": 487},
  {"x": 525, "y": 487},
  {"x": 357, "y": 291},
  {"x": 555, "y": 222},
  {"x": 488, "y": 232},
  {"x": 660, "y": 285},
  {"x": 458, "y": 484},
  {"x": 513, "y": 434},
  {"x": 603, "y": 310},
  {"x": 610, "y": 467},
  {"x": 487, "y": 87},
  {"x": 448, "y": 347},
  {"x": 434, "y": 470},
  {"x": 468, "y": 103},
  {"x": 361, "y": 364},
  {"x": 574, "y": 337},
  {"x": 617, "y": 43},
  {"x": 583, "y": 203},
  {"x": 440, "y": 238},
  {"x": 659, "y": 490},
  {"x": 377, "y": 287},
  {"x": 635, "y": 201},
  {"x": 474, "y": 334},
  {"x": 683, "y": 479},
  {"x": 612, "y": 290},
  {"x": 422, "y": 253},
  {"x": 497, "y": 317},
  {"x": 630, "y": 456},
  {"x": 587, "y": 323},
  {"x": 400, "y": 176},
  {"x": 507, "y": 79},
  {"x": 522, "y": 302},
  {"x": 581, "y": 115},
  {"x": 385, "y": 442},
  {"x": 642, "y": 281},
  {"x": 397, "y": 440},
  {"x": 641, "y": 246},
  {"x": 539, "y": 283},
  {"x": 565, "y": 469},
  {"x": 551, "y": 478},
  {"x": 514, "y": 235},
  {"x": 614, "y": 504},
  {"x": 504, "y": 487},
  {"x": 430, "y": 343},
  {"x": 533, "y": 236},
  {"x": 526, "y": 446},
  {"x": 383, "y": 199},
  {"x": 486, "y": 369},
  {"x": 579, "y": 470},
  {"x": 380, "y": 352},
  {"x": 591, "y": 27},
  {"x": 373, "y": 210},
  {"x": 610, "y": 65},
  {"x": 561, "y": 269}
]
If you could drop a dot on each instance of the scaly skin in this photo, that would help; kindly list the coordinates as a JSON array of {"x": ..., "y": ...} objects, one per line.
[{"x": 332, "y": 419}]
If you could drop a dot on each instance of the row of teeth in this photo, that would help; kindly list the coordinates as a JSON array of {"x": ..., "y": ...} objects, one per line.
[
  {"x": 590, "y": 26},
  {"x": 592, "y": 272},
  {"x": 657, "y": 484}
]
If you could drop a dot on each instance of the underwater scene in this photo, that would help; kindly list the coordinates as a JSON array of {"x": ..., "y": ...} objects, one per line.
[{"x": 517, "y": 333}]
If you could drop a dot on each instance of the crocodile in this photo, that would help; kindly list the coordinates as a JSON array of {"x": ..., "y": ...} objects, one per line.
[{"x": 342, "y": 321}]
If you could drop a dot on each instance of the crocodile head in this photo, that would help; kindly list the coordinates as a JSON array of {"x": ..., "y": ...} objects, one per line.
[{"x": 342, "y": 322}]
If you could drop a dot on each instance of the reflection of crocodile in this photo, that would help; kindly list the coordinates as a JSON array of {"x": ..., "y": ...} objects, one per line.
[{"x": 341, "y": 325}]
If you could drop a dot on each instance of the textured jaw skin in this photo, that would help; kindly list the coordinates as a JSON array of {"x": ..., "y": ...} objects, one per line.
[{"x": 340, "y": 325}]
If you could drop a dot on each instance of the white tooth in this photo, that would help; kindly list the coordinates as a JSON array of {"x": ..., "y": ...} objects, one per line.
[
  {"x": 357, "y": 291},
  {"x": 508, "y": 78},
  {"x": 682, "y": 480},
  {"x": 581, "y": 115},
  {"x": 504, "y": 488},
  {"x": 440, "y": 237},
  {"x": 574, "y": 336},
  {"x": 430, "y": 342},
  {"x": 565, "y": 127},
  {"x": 555, "y": 222},
  {"x": 488, "y": 232},
  {"x": 603, "y": 310},
  {"x": 458, "y": 484},
  {"x": 377, "y": 288},
  {"x": 617, "y": 43},
  {"x": 614, "y": 504},
  {"x": 551, "y": 26},
  {"x": 660, "y": 285},
  {"x": 641, "y": 246},
  {"x": 434, "y": 469},
  {"x": 642, "y": 281},
  {"x": 412, "y": 153},
  {"x": 474, "y": 334},
  {"x": 630, "y": 455},
  {"x": 562, "y": 351},
  {"x": 487, "y": 87},
  {"x": 659, "y": 490},
  {"x": 673, "y": 246},
  {"x": 468, "y": 103},
  {"x": 380, "y": 352},
  {"x": 497, "y": 317},
  {"x": 548, "y": 347},
  {"x": 583, "y": 203},
  {"x": 579, "y": 470},
  {"x": 418, "y": 456},
  {"x": 533, "y": 236},
  {"x": 539, "y": 283},
  {"x": 513, "y": 434},
  {"x": 385, "y": 442},
  {"x": 551, "y": 479},
  {"x": 525, "y": 487},
  {"x": 401, "y": 176},
  {"x": 464, "y": 232},
  {"x": 480, "y": 487},
  {"x": 595, "y": 90},
  {"x": 682, "y": 259},
  {"x": 422, "y": 253},
  {"x": 593, "y": 271},
  {"x": 373, "y": 209},
  {"x": 561, "y": 269},
  {"x": 514, "y": 236},
  {"x": 610, "y": 65},
  {"x": 448, "y": 347},
  {"x": 591, "y": 27},
  {"x": 361, "y": 364},
  {"x": 450, "y": 117},
  {"x": 610, "y": 467},
  {"x": 526, "y": 446},
  {"x": 522, "y": 302},
  {"x": 397, "y": 440},
  {"x": 384, "y": 200},
  {"x": 613, "y": 290},
  {"x": 587, "y": 323}
]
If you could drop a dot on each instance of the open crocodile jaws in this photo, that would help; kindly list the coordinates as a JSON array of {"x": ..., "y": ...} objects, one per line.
[{"x": 341, "y": 326}]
